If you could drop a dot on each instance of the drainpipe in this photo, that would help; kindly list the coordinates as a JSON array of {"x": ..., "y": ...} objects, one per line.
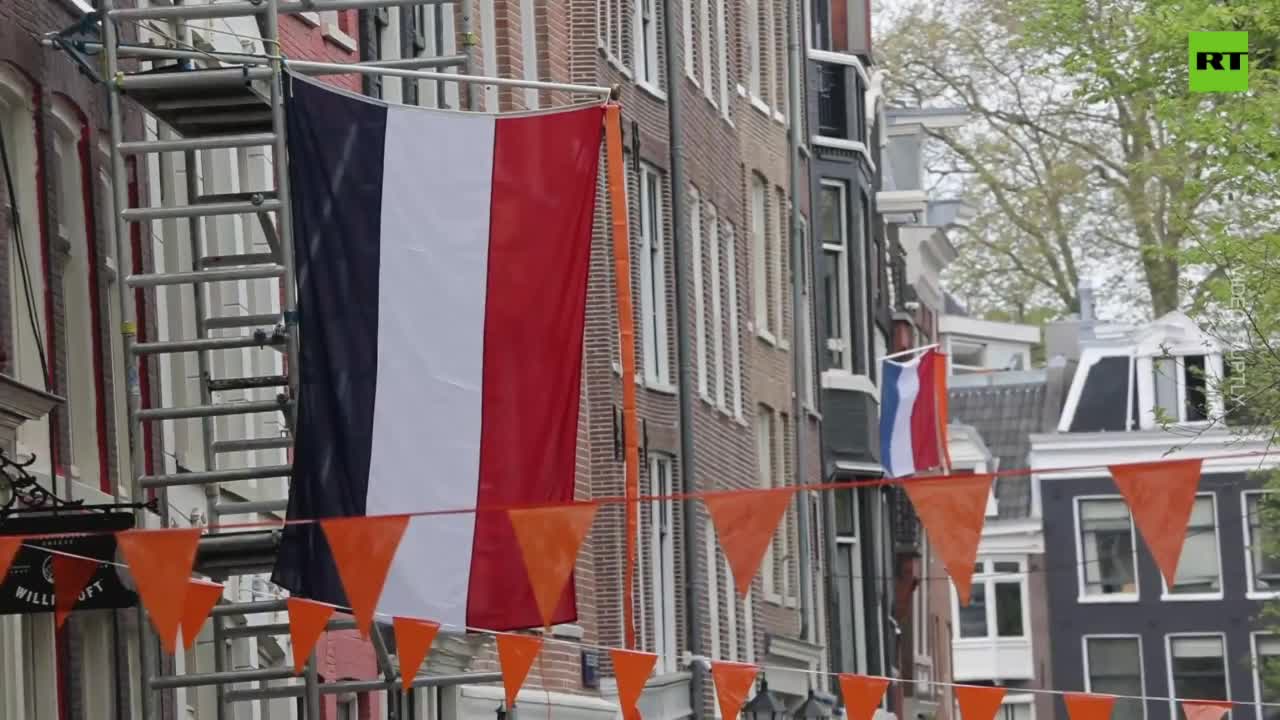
[
  {"x": 795, "y": 139},
  {"x": 680, "y": 225}
]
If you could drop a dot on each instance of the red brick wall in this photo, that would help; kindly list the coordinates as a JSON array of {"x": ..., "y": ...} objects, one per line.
[
  {"x": 344, "y": 655},
  {"x": 302, "y": 38}
]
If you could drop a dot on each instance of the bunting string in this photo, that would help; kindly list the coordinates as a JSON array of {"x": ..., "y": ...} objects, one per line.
[{"x": 674, "y": 497}]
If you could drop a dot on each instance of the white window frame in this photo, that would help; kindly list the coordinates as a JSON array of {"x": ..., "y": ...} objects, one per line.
[
  {"x": 1146, "y": 373},
  {"x": 1168, "y": 655},
  {"x": 699, "y": 290},
  {"x": 77, "y": 286},
  {"x": 734, "y": 329},
  {"x": 1142, "y": 663},
  {"x": 661, "y": 556},
  {"x": 1165, "y": 593},
  {"x": 845, "y": 341},
  {"x": 920, "y": 605},
  {"x": 1250, "y": 571},
  {"x": 690, "y": 64},
  {"x": 653, "y": 282},
  {"x": 766, "y": 426},
  {"x": 722, "y": 46},
  {"x": 754, "y": 65},
  {"x": 708, "y": 80},
  {"x": 761, "y": 254},
  {"x": 734, "y": 651},
  {"x": 1256, "y": 664},
  {"x": 710, "y": 555},
  {"x": 808, "y": 393},
  {"x": 718, "y": 397},
  {"x": 645, "y": 47},
  {"x": 989, "y": 578},
  {"x": 782, "y": 261},
  {"x": 1082, "y": 595},
  {"x": 117, "y": 268}
]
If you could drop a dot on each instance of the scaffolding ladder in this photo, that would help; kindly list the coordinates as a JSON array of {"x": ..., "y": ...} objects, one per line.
[{"x": 212, "y": 100}]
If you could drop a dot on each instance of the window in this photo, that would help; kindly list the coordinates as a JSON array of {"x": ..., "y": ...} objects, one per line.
[
  {"x": 118, "y": 268},
  {"x": 653, "y": 279},
  {"x": 1017, "y": 707},
  {"x": 782, "y": 262},
  {"x": 717, "y": 310},
  {"x": 997, "y": 607},
  {"x": 752, "y": 11},
  {"x": 1199, "y": 572},
  {"x": 1197, "y": 667},
  {"x": 1113, "y": 666},
  {"x": 1264, "y": 562},
  {"x": 833, "y": 228},
  {"x": 1266, "y": 665},
  {"x": 704, "y": 26},
  {"x": 920, "y": 604},
  {"x": 612, "y": 36},
  {"x": 646, "y": 44},
  {"x": 1181, "y": 393},
  {"x": 78, "y": 279},
  {"x": 699, "y": 300},
  {"x": 348, "y": 709},
  {"x": 722, "y": 45},
  {"x": 806, "y": 316},
  {"x": 657, "y": 529},
  {"x": 1106, "y": 553},
  {"x": 26, "y": 318},
  {"x": 728, "y": 241},
  {"x": 820, "y": 24},
  {"x": 690, "y": 60},
  {"x": 769, "y": 477},
  {"x": 762, "y": 253}
]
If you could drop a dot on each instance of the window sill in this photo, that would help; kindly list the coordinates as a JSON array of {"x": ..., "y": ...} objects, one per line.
[
  {"x": 777, "y": 115},
  {"x": 742, "y": 90},
  {"x": 616, "y": 62},
  {"x": 1106, "y": 599},
  {"x": 767, "y": 336},
  {"x": 1191, "y": 597},
  {"x": 666, "y": 388},
  {"x": 759, "y": 104},
  {"x": 334, "y": 34},
  {"x": 693, "y": 78},
  {"x": 311, "y": 18},
  {"x": 652, "y": 90},
  {"x": 1263, "y": 595}
]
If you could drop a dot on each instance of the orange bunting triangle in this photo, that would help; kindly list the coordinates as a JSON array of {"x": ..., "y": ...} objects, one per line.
[
  {"x": 549, "y": 539},
  {"x": 1081, "y": 706},
  {"x": 413, "y": 642},
  {"x": 160, "y": 562},
  {"x": 953, "y": 510},
  {"x": 745, "y": 521},
  {"x": 516, "y": 654},
  {"x": 733, "y": 682},
  {"x": 632, "y": 670},
  {"x": 1205, "y": 709},
  {"x": 201, "y": 596},
  {"x": 979, "y": 703},
  {"x": 9, "y": 547},
  {"x": 307, "y": 619},
  {"x": 362, "y": 549},
  {"x": 70, "y": 577},
  {"x": 862, "y": 695},
  {"x": 1160, "y": 496}
]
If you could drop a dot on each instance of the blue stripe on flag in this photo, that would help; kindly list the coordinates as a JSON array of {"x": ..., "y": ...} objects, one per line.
[
  {"x": 336, "y": 145},
  {"x": 889, "y": 374}
]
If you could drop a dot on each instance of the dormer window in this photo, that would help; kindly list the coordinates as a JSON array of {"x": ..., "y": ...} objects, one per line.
[{"x": 1181, "y": 391}]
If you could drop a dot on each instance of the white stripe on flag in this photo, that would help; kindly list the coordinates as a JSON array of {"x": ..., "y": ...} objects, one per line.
[
  {"x": 901, "y": 450},
  {"x": 433, "y": 275}
]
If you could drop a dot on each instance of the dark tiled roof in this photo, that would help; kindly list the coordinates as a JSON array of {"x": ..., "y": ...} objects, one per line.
[{"x": 1005, "y": 415}]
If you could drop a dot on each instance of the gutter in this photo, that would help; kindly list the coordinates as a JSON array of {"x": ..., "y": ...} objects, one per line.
[{"x": 680, "y": 236}]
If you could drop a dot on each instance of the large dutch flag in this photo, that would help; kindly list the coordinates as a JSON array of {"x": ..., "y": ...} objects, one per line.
[
  {"x": 442, "y": 275},
  {"x": 913, "y": 414}
]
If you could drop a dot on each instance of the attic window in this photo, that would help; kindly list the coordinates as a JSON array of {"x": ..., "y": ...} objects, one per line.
[{"x": 1181, "y": 392}]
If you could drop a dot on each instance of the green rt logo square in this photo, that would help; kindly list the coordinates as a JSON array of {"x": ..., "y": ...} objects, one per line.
[{"x": 1219, "y": 61}]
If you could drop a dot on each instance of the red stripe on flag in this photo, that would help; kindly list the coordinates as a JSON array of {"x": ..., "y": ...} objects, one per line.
[
  {"x": 542, "y": 207},
  {"x": 924, "y": 417}
]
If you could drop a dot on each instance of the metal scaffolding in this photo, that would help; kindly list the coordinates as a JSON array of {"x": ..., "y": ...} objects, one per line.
[{"x": 210, "y": 100}]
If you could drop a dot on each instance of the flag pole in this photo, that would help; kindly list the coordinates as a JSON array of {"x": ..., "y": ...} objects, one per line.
[
  {"x": 910, "y": 351},
  {"x": 627, "y": 356}
]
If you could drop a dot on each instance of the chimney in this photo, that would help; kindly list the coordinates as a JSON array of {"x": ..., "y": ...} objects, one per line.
[{"x": 1086, "y": 302}]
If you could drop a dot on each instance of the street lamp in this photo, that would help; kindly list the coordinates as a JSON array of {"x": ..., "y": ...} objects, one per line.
[
  {"x": 811, "y": 707},
  {"x": 764, "y": 706}
]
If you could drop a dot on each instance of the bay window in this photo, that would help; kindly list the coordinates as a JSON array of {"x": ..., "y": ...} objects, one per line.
[
  {"x": 833, "y": 226},
  {"x": 997, "y": 602}
]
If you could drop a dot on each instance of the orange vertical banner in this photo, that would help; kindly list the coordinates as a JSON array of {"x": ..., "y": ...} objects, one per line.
[
  {"x": 943, "y": 408},
  {"x": 627, "y": 353}
]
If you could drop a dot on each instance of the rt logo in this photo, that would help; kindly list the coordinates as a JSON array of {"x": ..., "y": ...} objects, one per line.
[{"x": 1218, "y": 61}]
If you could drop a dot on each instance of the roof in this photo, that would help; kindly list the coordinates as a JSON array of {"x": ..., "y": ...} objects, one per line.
[{"x": 1006, "y": 410}]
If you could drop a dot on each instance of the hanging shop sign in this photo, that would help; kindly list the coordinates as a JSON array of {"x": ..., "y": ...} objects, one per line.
[{"x": 28, "y": 588}]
